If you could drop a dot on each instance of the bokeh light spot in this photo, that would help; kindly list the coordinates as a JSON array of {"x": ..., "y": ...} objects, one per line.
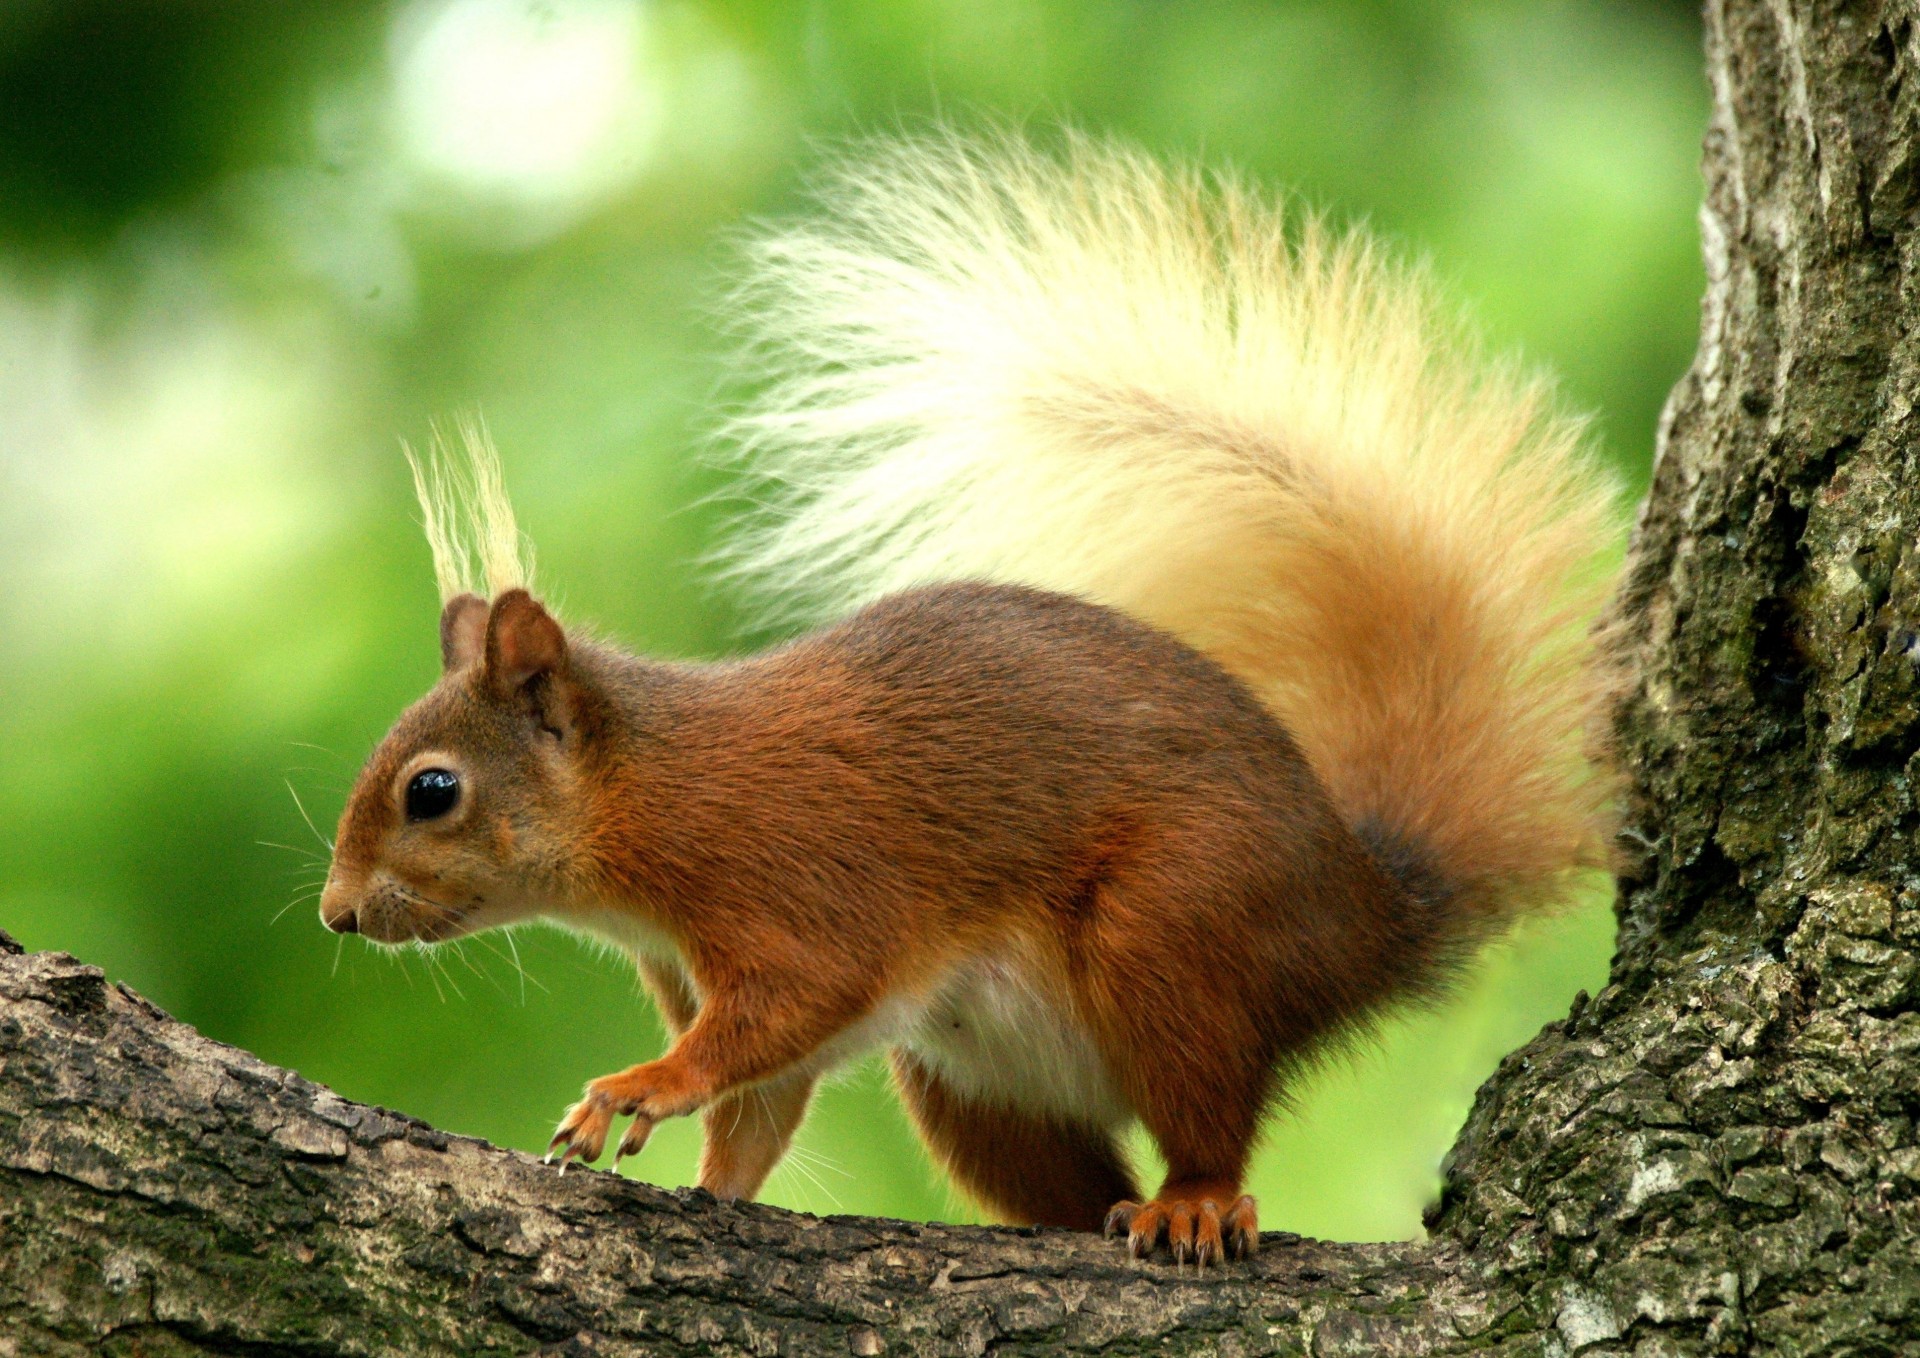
[{"x": 546, "y": 103}]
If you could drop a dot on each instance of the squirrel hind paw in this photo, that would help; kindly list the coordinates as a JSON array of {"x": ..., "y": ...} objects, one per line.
[{"x": 1194, "y": 1231}]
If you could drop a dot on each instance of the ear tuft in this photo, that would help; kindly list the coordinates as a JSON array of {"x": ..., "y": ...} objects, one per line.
[
  {"x": 523, "y": 641},
  {"x": 463, "y": 631}
]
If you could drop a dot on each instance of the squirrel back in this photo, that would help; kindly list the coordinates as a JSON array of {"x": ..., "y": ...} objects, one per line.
[{"x": 1090, "y": 373}]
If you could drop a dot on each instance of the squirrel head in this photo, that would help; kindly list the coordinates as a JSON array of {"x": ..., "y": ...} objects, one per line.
[{"x": 462, "y": 819}]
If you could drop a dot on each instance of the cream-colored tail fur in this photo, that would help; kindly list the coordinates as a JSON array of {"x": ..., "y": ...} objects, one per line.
[{"x": 1090, "y": 373}]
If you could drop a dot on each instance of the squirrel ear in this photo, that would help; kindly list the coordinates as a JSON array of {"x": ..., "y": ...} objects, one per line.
[
  {"x": 523, "y": 641},
  {"x": 463, "y": 631}
]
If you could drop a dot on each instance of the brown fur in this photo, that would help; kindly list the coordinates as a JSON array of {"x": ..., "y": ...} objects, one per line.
[{"x": 1045, "y": 1171}]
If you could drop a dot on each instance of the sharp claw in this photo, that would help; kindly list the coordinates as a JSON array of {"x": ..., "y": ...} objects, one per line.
[
  {"x": 1243, "y": 1235},
  {"x": 637, "y": 1135},
  {"x": 1196, "y": 1233}
]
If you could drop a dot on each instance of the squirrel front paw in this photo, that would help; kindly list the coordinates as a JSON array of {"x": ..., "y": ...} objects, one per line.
[{"x": 647, "y": 1093}]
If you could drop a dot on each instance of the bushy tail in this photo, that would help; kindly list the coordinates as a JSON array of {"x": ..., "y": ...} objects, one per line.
[{"x": 1087, "y": 372}]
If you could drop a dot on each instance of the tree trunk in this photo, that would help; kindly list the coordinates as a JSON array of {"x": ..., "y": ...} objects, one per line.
[{"x": 1715, "y": 1154}]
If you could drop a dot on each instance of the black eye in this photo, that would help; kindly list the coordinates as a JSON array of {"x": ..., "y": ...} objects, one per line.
[{"x": 432, "y": 793}]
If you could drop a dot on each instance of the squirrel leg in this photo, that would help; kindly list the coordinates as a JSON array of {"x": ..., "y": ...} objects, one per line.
[
  {"x": 1204, "y": 1116},
  {"x": 672, "y": 992},
  {"x": 1190, "y": 1059},
  {"x": 741, "y": 1035},
  {"x": 1204, "y": 1122},
  {"x": 1024, "y": 1169},
  {"x": 747, "y": 1131}
]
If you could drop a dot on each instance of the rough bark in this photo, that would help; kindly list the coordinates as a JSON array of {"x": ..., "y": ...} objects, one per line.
[
  {"x": 1717, "y": 1153},
  {"x": 165, "y": 1194}
]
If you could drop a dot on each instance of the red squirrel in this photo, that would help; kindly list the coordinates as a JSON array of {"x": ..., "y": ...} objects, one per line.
[{"x": 1208, "y": 667}]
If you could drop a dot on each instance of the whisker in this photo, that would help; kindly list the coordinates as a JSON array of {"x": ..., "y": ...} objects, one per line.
[
  {"x": 308, "y": 819},
  {"x": 433, "y": 978},
  {"x": 820, "y": 1161},
  {"x": 300, "y": 849},
  {"x": 520, "y": 969},
  {"x": 460, "y": 951},
  {"x": 513, "y": 961},
  {"x": 800, "y": 1166},
  {"x": 436, "y": 964},
  {"x": 301, "y": 899}
]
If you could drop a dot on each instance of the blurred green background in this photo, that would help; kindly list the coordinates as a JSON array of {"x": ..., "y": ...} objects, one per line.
[{"x": 246, "y": 248}]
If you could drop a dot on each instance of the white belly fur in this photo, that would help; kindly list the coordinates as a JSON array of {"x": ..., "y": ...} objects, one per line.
[
  {"x": 994, "y": 1035},
  {"x": 622, "y": 929}
]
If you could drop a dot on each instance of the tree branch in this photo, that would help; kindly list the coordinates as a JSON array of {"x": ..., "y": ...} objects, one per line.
[{"x": 164, "y": 1192}]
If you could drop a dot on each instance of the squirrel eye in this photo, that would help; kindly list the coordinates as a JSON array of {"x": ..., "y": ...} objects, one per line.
[{"x": 432, "y": 793}]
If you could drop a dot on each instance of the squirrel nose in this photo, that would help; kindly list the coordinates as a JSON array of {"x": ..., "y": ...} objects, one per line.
[{"x": 341, "y": 920}]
